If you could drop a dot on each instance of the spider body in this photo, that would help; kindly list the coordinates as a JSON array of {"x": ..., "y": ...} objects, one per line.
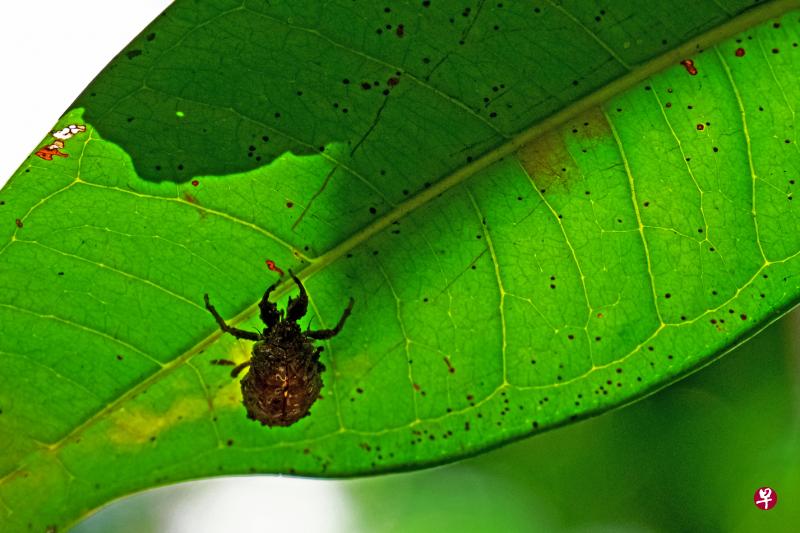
[{"x": 284, "y": 379}]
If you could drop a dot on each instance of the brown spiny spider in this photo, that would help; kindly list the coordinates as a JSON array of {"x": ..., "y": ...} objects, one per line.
[{"x": 284, "y": 378}]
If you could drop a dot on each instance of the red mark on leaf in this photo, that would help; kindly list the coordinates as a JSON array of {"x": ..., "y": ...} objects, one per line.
[
  {"x": 195, "y": 183},
  {"x": 700, "y": 127},
  {"x": 392, "y": 82},
  {"x": 689, "y": 65},
  {"x": 60, "y": 136},
  {"x": 190, "y": 198},
  {"x": 401, "y": 30},
  {"x": 47, "y": 152},
  {"x": 289, "y": 205},
  {"x": 271, "y": 265},
  {"x": 18, "y": 222},
  {"x": 739, "y": 52},
  {"x": 416, "y": 387}
]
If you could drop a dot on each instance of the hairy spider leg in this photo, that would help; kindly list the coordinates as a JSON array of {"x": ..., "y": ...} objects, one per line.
[
  {"x": 235, "y": 372},
  {"x": 297, "y": 308},
  {"x": 270, "y": 314},
  {"x": 238, "y": 333},
  {"x": 323, "y": 334}
]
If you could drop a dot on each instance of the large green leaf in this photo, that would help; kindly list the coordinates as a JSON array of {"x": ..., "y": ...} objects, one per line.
[{"x": 540, "y": 213}]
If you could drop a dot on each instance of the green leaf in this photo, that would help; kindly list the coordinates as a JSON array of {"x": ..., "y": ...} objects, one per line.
[{"x": 540, "y": 213}]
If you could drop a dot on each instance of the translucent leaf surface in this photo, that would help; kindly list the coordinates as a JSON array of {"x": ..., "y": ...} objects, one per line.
[{"x": 541, "y": 211}]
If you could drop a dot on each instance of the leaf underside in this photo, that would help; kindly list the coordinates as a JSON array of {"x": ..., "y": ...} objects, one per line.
[{"x": 540, "y": 214}]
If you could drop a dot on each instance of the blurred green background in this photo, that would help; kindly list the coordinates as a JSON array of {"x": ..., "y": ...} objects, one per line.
[{"x": 687, "y": 458}]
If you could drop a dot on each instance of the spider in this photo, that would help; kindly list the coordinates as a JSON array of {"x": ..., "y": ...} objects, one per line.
[{"x": 284, "y": 378}]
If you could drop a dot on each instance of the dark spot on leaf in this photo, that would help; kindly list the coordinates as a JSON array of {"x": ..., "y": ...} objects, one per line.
[
  {"x": 133, "y": 53},
  {"x": 18, "y": 222}
]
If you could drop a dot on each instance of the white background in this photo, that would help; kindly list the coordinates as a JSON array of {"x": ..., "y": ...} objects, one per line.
[{"x": 36, "y": 38}]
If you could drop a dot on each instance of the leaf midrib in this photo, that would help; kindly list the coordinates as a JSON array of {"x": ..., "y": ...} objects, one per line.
[{"x": 637, "y": 74}]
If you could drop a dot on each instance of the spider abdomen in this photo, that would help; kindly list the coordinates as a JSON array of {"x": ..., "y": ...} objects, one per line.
[{"x": 282, "y": 384}]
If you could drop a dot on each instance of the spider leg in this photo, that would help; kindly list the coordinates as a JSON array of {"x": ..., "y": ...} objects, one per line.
[
  {"x": 270, "y": 315},
  {"x": 235, "y": 372},
  {"x": 238, "y": 333},
  {"x": 315, "y": 357},
  {"x": 328, "y": 333},
  {"x": 297, "y": 308}
]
